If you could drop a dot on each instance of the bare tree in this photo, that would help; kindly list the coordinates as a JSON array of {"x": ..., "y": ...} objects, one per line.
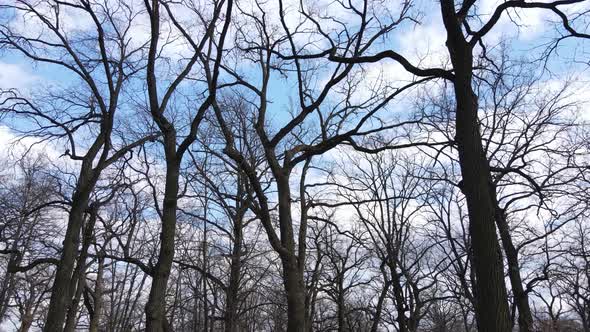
[
  {"x": 25, "y": 202},
  {"x": 208, "y": 50},
  {"x": 279, "y": 166},
  {"x": 101, "y": 73},
  {"x": 463, "y": 37}
]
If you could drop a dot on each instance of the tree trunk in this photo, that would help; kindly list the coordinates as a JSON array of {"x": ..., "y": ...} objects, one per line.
[
  {"x": 29, "y": 310},
  {"x": 79, "y": 275},
  {"x": 492, "y": 300},
  {"x": 521, "y": 299},
  {"x": 312, "y": 293},
  {"x": 72, "y": 316},
  {"x": 380, "y": 302},
  {"x": 295, "y": 288},
  {"x": 341, "y": 307},
  {"x": 206, "y": 268},
  {"x": 292, "y": 264},
  {"x": 61, "y": 291},
  {"x": 399, "y": 300},
  {"x": 95, "y": 320},
  {"x": 155, "y": 308},
  {"x": 231, "y": 305},
  {"x": 26, "y": 323},
  {"x": 8, "y": 283}
]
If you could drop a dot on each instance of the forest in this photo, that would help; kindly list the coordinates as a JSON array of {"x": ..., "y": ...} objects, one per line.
[{"x": 295, "y": 165}]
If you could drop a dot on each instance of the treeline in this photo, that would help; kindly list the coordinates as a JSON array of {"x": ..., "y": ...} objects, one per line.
[{"x": 232, "y": 166}]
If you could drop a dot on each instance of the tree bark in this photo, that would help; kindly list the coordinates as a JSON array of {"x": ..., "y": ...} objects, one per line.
[
  {"x": 295, "y": 289},
  {"x": 380, "y": 302},
  {"x": 521, "y": 299},
  {"x": 341, "y": 305},
  {"x": 98, "y": 290},
  {"x": 26, "y": 323},
  {"x": 79, "y": 275},
  {"x": 491, "y": 296},
  {"x": 61, "y": 291},
  {"x": 155, "y": 308},
  {"x": 292, "y": 263},
  {"x": 399, "y": 300},
  {"x": 72, "y": 316},
  {"x": 231, "y": 305}
]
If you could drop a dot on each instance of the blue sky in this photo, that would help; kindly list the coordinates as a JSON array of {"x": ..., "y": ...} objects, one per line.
[{"x": 421, "y": 42}]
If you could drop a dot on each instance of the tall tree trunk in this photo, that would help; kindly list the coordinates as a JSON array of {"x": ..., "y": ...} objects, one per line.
[
  {"x": 98, "y": 303},
  {"x": 79, "y": 274},
  {"x": 61, "y": 290},
  {"x": 155, "y": 308},
  {"x": 492, "y": 300},
  {"x": 521, "y": 299},
  {"x": 231, "y": 301},
  {"x": 399, "y": 300},
  {"x": 380, "y": 302},
  {"x": 206, "y": 268},
  {"x": 7, "y": 288},
  {"x": 26, "y": 323},
  {"x": 295, "y": 289},
  {"x": 341, "y": 306},
  {"x": 292, "y": 263},
  {"x": 72, "y": 316},
  {"x": 312, "y": 292}
]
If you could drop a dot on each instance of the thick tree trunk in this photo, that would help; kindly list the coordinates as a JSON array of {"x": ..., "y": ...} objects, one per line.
[
  {"x": 61, "y": 291},
  {"x": 585, "y": 324},
  {"x": 340, "y": 303},
  {"x": 79, "y": 274},
  {"x": 155, "y": 308},
  {"x": 491, "y": 296},
  {"x": 292, "y": 263},
  {"x": 492, "y": 300},
  {"x": 295, "y": 289},
  {"x": 26, "y": 323}
]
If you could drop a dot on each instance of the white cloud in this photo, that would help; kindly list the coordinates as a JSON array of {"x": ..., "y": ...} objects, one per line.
[
  {"x": 424, "y": 44},
  {"x": 16, "y": 76},
  {"x": 13, "y": 146}
]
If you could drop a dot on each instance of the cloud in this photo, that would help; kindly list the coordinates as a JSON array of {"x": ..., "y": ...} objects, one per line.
[
  {"x": 26, "y": 21},
  {"x": 16, "y": 76},
  {"x": 424, "y": 44},
  {"x": 13, "y": 146}
]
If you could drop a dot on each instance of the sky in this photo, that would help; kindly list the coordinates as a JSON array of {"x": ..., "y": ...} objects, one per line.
[{"x": 422, "y": 42}]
